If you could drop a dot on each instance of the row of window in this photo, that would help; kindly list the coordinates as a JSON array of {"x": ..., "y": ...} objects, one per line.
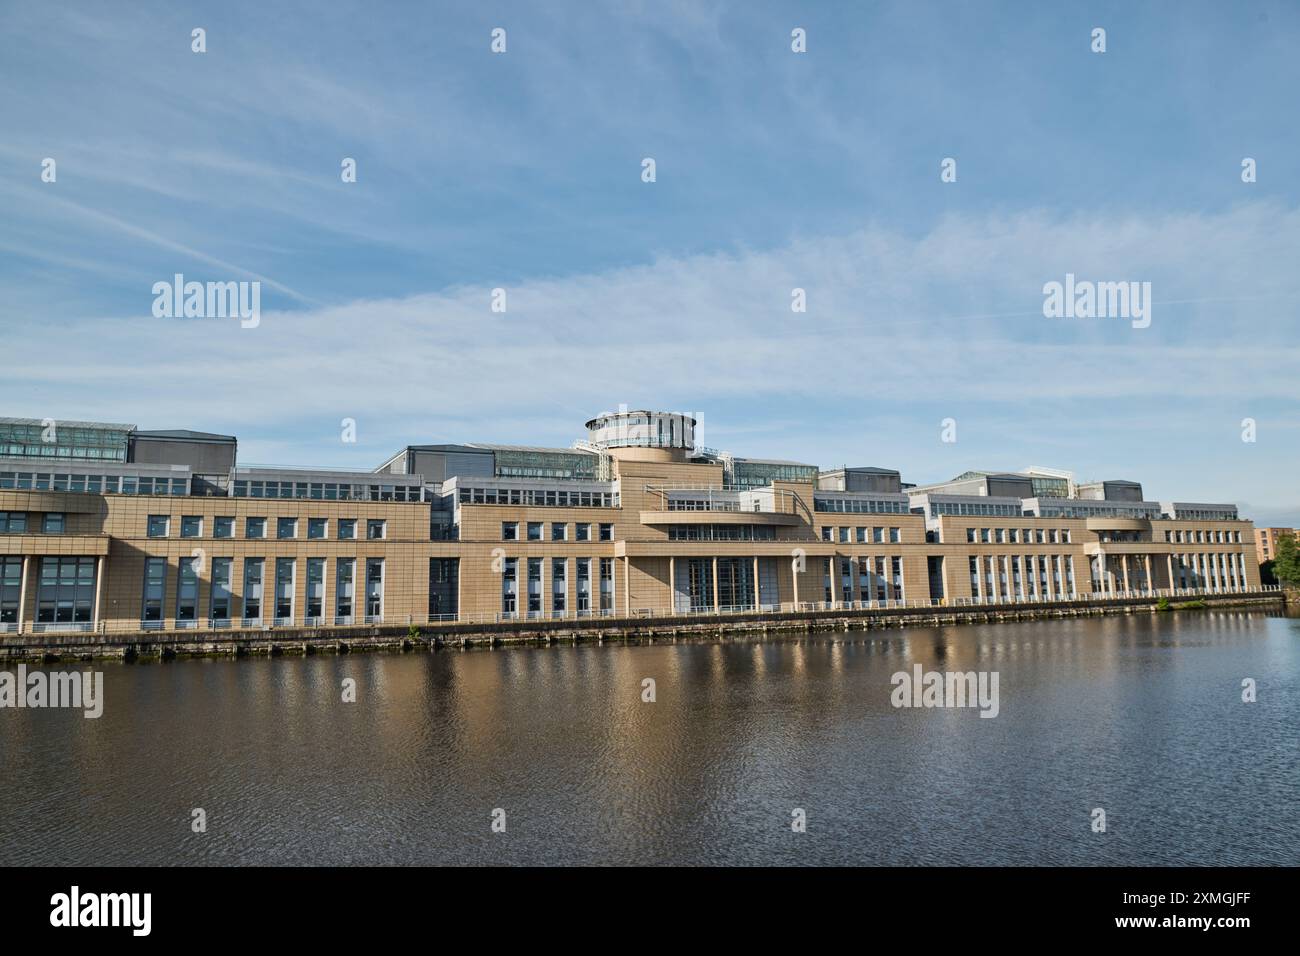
[
  {"x": 65, "y": 590},
  {"x": 859, "y": 535},
  {"x": 325, "y": 490},
  {"x": 860, "y": 506},
  {"x": 1018, "y": 535},
  {"x": 988, "y": 575},
  {"x": 877, "y": 579},
  {"x": 559, "y": 531},
  {"x": 1202, "y": 536},
  {"x": 511, "y": 603},
  {"x": 159, "y": 526},
  {"x": 93, "y": 484},
  {"x": 536, "y": 497},
  {"x": 973, "y": 509},
  {"x": 15, "y": 522},
  {"x": 721, "y": 532},
  {"x": 283, "y": 597}
]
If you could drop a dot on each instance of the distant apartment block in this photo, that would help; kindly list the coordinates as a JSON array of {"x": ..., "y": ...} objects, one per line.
[
  {"x": 110, "y": 527},
  {"x": 1266, "y": 542}
]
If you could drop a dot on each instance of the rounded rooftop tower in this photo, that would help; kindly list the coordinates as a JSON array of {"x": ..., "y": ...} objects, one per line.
[{"x": 643, "y": 435}]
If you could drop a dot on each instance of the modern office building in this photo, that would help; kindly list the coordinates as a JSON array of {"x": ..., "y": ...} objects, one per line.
[
  {"x": 1266, "y": 542},
  {"x": 108, "y": 527}
]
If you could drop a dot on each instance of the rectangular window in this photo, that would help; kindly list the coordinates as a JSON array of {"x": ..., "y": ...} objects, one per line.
[
  {"x": 584, "y": 585},
  {"x": 376, "y": 529},
  {"x": 534, "y": 586},
  {"x": 583, "y": 532},
  {"x": 191, "y": 526},
  {"x": 510, "y": 531},
  {"x": 286, "y": 528},
  {"x": 254, "y": 527},
  {"x": 606, "y": 532},
  {"x": 509, "y": 585},
  {"x": 344, "y": 581},
  {"x": 534, "y": 531},
  {"x": 285, "y": 573},
  {"x": 159, "y": 526},
  {"x": 65, "y": 590},
  {"x": 347, "y": 529},
  {"x": 559, "y": 532},
  {"x": 13, "y": 522},
  {"x": 155, "y": 584},
  {"x": 844, "y": 535},
  {"x": 219, "y": 600},
  {"x": 826, "y": 533},
  {"x": 444, "y": 587},
  {"x": 861, "y": 535},
  {"x": 187, "y": 591},
  {"x": 253, "y": 568},
  {"x": 11, "y": 582},
  {"x": 984, "y": 535},
  {"x": 53, "y": 523},
  {"x": 970, "y": 535},
  {"x": 607, "y": 584},
  {"x": 895, "y": 535},
  {"x": 375, "y": 590},
  {"x": 877, "y": 535},
  {"x": 223, "y": 528},
  {"x": 315, "y": 589},
  {"x": 317, "y": 528},
  {"x": 559, "y": 582}
]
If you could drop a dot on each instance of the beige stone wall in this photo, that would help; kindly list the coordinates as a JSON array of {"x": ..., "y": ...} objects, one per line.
[{"x": 114, "y": 527}]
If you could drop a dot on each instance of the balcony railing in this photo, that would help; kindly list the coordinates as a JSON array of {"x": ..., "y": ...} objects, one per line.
[{"x": 787, "y": 607}]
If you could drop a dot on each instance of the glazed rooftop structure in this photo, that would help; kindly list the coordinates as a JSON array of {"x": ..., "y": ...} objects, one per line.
[{"x": 108, "y": 527}]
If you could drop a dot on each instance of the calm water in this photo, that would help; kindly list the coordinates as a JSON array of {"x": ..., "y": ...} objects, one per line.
[{"x": 1140, "y": 716}]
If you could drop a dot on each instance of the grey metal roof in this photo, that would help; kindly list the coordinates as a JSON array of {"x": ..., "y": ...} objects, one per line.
[
  {"x": 535, "y": 448},
  {"x": 183, "y": 434}
]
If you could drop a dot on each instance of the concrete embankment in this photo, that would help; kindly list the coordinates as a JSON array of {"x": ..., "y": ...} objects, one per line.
[{"x": 154, "y": 645}]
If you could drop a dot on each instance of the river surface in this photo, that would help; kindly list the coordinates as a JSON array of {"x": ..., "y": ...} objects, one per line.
[{"x": 1139, "y": 716}]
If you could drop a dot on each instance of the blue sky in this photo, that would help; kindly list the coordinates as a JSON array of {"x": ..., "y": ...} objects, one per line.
[{"x": 775, "y": 170}]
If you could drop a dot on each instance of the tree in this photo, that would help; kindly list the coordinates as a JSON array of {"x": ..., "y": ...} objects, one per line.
[
  {"x": 1266, "y": 575},
  {"x": 1286, "y": 563}
]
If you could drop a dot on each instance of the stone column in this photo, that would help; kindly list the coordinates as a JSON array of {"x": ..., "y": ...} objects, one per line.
[
  {"x": 627, "y": 585},
  {"x": 1051, "y": 577},
  {"x": 717, "y": 599},
  {"x": 22, "y": 595},
  {"x": 99, "y": 588},
  {"x": 979, "y": 577},
  {"x": 672, "y": 585},
  {"x": 794, "y": 576},
  {"x": 1124, "y": 566},
  {"x": 1169, "y": 565},
  {"x": 757, "y": 592}
]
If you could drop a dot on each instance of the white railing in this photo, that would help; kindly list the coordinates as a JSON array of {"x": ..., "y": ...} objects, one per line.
[
  {"x": 43, "y": 627},
  {"x": 787, "y": 607}
]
